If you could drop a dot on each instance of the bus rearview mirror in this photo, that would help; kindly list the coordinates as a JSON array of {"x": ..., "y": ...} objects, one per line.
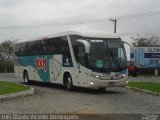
[{"x": 86, "y": 45}]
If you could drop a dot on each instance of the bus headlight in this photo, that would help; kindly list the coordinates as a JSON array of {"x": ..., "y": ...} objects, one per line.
[
  {"x": 97, "y": 76},
  {"x": 93, "y": 75},
  {"x": 124, "y": 75}
]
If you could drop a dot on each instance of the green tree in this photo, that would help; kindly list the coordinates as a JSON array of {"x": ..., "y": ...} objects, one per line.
[
  {"x": 146, "y": 40},
  {"x": 6, "y": 56}
]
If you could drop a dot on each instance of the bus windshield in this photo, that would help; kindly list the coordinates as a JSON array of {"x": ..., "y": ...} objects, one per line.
[{"x": 105, "y": 55}]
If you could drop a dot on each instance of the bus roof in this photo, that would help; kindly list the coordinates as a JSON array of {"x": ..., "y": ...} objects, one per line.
[{"x": 95, "y": 34}]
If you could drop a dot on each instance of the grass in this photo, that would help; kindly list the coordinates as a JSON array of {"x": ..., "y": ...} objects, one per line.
[
  {"x": 150, "y": 86},
  {"x": 9, "y": 87},
  {"x": 148, "y": 75}
]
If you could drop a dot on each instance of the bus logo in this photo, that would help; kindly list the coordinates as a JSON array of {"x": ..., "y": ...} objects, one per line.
[{"x": 41, "y": 63}]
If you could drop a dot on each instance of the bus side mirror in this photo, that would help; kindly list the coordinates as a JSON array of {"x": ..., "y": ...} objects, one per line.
[
  {"x": 127, "y": 43},
  {"x": 86, "y": 45}
]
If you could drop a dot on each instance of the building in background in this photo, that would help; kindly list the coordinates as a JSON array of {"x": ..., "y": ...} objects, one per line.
[{"x": 146, "y": 57}]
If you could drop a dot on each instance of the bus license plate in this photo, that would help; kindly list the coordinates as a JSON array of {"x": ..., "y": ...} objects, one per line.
[{"x": 111, "y": 83}]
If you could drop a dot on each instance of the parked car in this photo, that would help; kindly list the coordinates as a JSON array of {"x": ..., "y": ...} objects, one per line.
[{"x": 132, "y": 69}]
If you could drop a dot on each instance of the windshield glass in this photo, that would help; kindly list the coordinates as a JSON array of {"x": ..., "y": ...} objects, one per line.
[{"x": 105, "y": 54}]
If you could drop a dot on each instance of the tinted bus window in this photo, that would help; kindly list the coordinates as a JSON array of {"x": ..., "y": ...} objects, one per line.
[{"x": 51, "y": 46}]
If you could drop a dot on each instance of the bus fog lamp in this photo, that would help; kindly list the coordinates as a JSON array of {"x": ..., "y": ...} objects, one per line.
[{"x": 91, "y": 83}]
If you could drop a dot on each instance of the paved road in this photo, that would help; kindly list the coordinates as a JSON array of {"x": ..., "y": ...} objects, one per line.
[{"x": 51, "y": 98}]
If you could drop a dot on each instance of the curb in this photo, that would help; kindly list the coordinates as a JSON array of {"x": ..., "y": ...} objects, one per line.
[
  {"x": 18, "y": 94},
  {"x": 142, "y": 90}
]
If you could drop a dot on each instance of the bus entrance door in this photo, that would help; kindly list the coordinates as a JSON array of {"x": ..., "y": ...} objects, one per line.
[{"x": 81, "y": 76}]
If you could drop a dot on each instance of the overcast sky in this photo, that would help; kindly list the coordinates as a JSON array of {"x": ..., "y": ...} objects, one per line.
[{"x": 34, "y": 12}]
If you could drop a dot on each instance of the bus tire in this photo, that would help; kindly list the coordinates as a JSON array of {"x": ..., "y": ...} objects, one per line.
[
  {"x": 26, "y": 78},
  {"x": 69, "y": 84}
]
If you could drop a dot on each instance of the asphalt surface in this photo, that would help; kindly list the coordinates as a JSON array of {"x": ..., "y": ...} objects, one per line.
[{"x": 50, "y": 98}]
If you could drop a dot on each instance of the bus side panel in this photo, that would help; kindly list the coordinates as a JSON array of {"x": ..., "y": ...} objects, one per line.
[
  {"x": 18, "y": 68},
  {"x": 18, "y": 71},
  {"x": 58, "y": 66},
  {"x": 36, "y": 66},
  {"x": 55, "y": 68}
]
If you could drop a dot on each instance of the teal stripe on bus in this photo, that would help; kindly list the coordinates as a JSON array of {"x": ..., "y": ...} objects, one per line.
[{"x": 40, "y": 64}]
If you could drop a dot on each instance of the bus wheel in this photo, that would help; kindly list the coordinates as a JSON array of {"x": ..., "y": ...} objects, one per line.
[
  {"x": 69, "y": 84},
  {"x": 26, "y": 78}
]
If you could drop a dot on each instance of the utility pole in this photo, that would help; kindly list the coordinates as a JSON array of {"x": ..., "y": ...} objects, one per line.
[{"x": 115, "y": 24}]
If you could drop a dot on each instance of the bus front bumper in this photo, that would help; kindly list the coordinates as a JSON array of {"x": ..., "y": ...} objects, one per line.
[{"x": 98, "y": 83}]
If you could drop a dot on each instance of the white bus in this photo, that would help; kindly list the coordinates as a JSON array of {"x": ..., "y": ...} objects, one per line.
[{"x": 73, "y": 58}]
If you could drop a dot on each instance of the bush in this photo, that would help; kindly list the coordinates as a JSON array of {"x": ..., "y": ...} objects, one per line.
[
  {"x": 148, "y": 71},
  {"x": 7, "y": 67}
]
